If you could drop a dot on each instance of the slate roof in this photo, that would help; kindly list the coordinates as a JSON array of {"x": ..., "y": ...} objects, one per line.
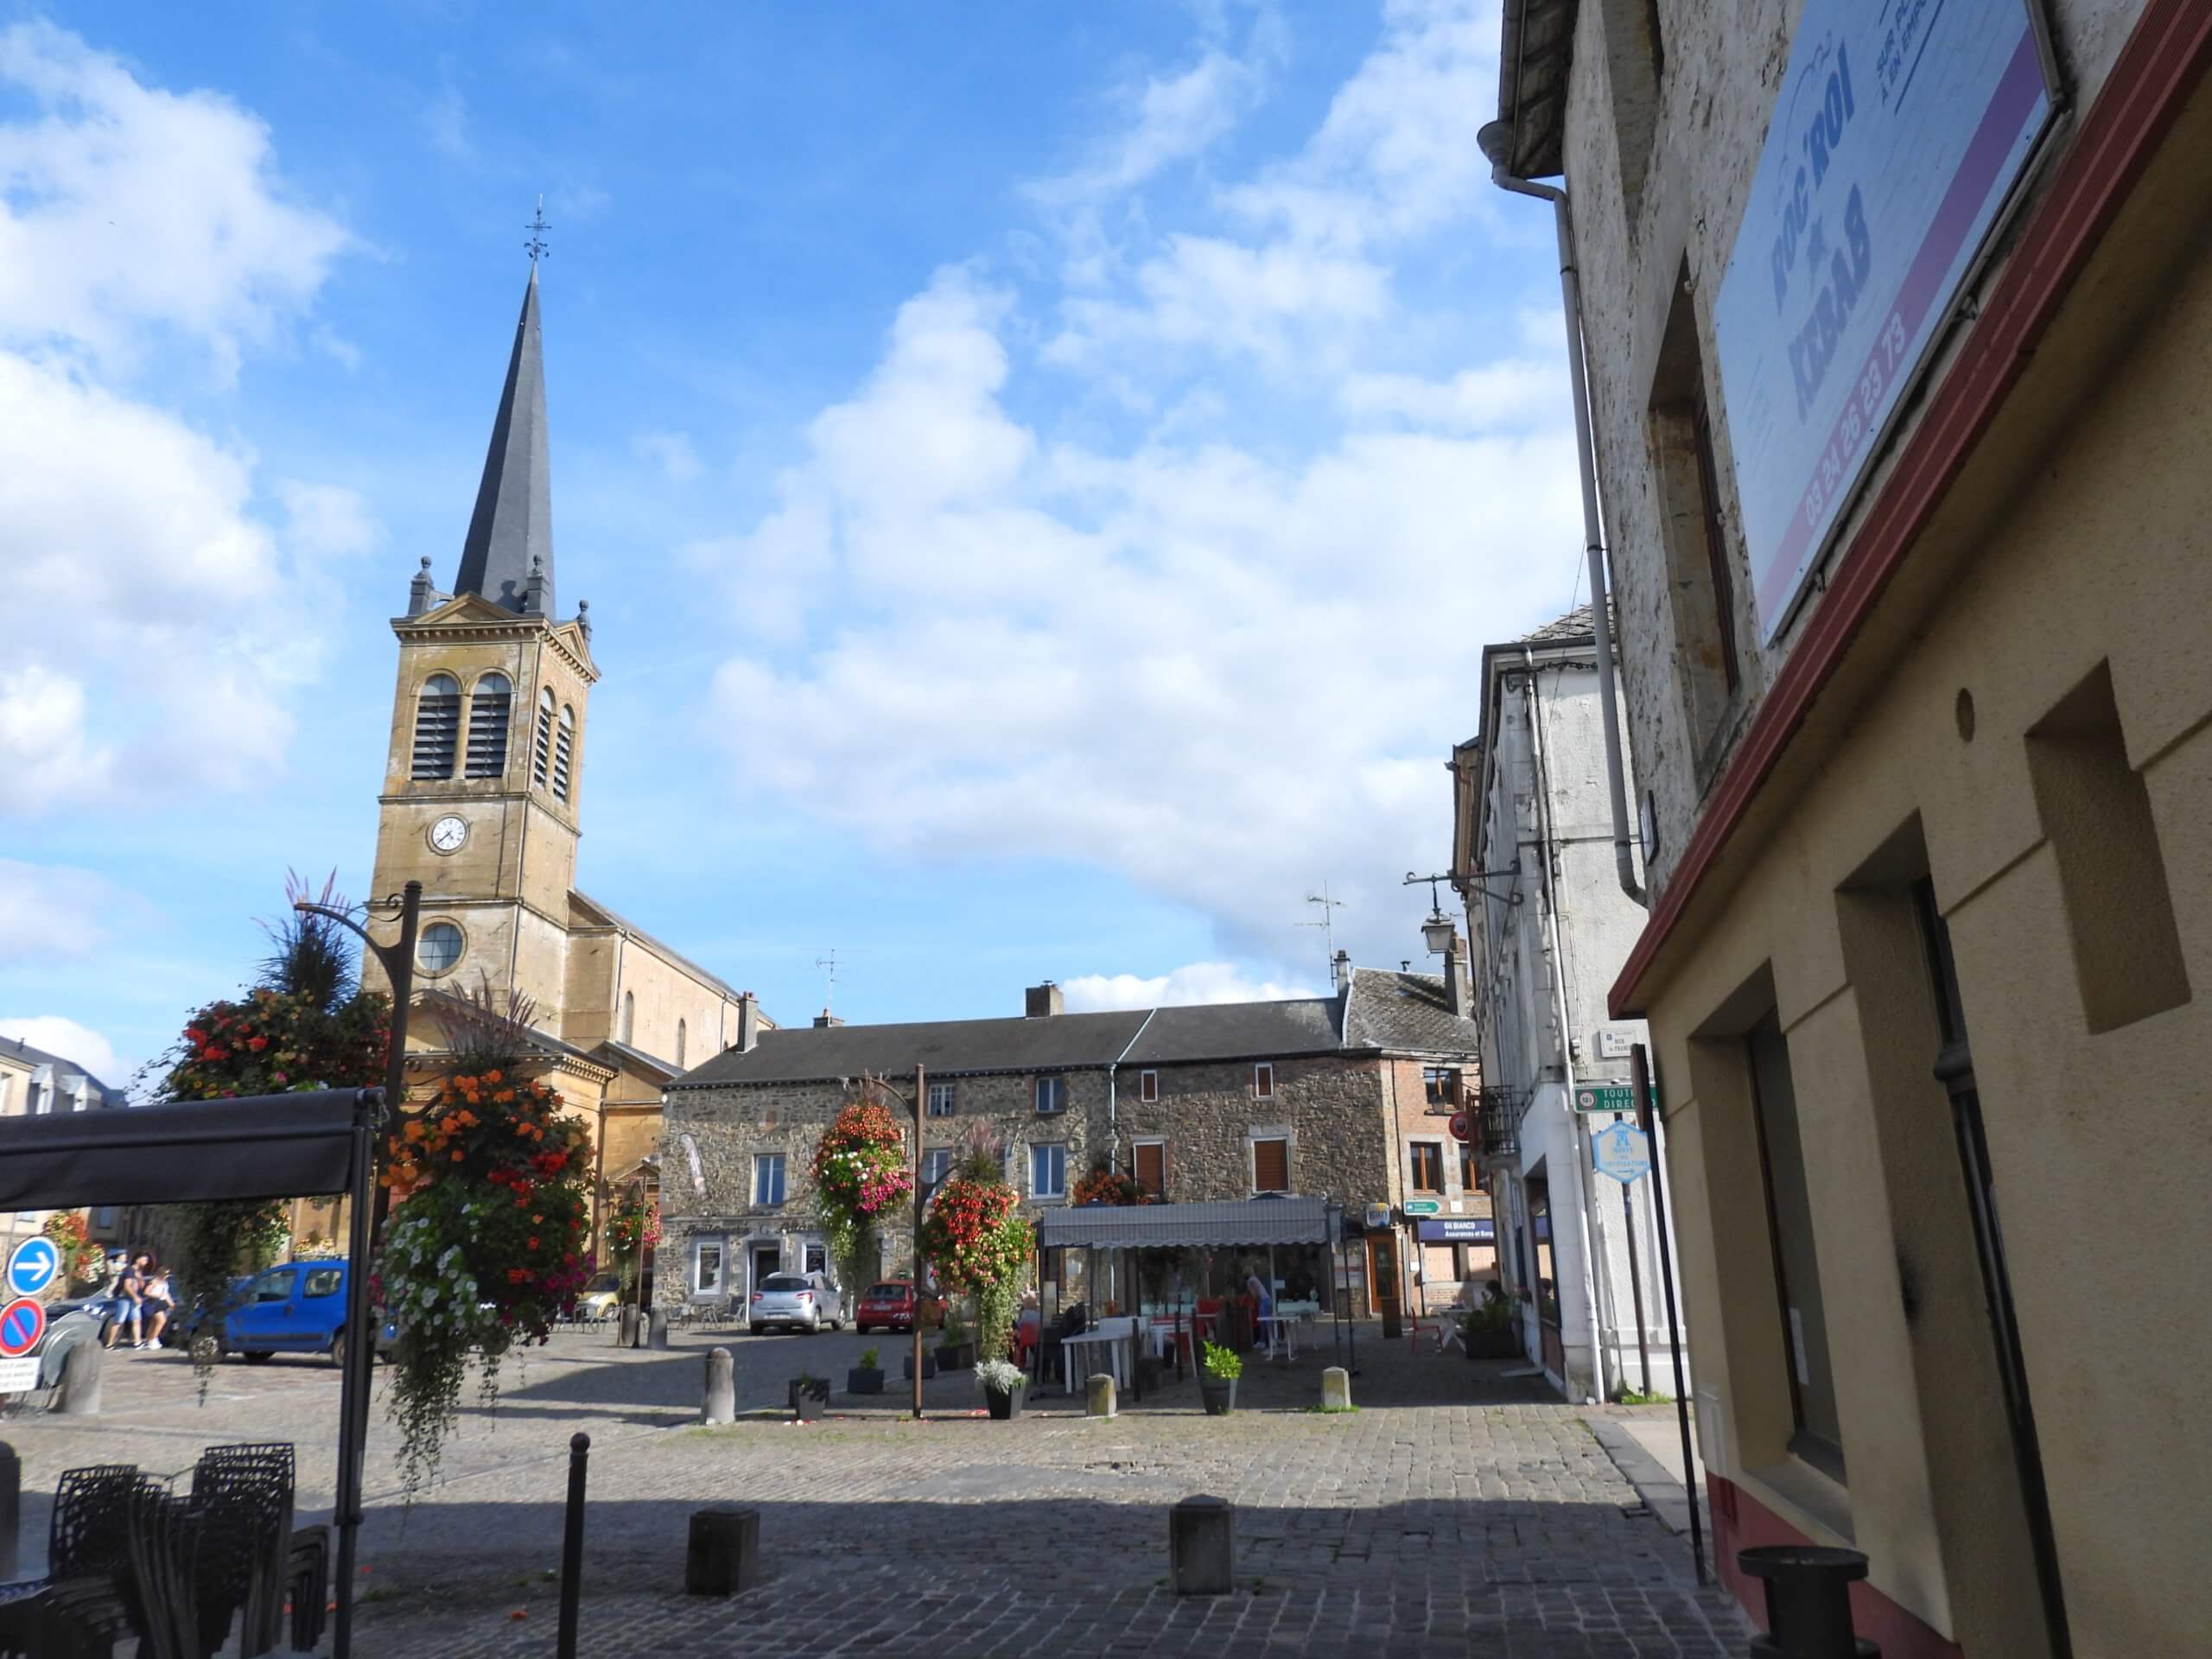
[
  {"x": 1575, "y": 624},
  {"x": 1057, "y": 1042},
  {"x": 596, "y": 914},
  {"x": 1405, "y": 1012},
  {"x": 512, "y": 526},
  {"x": 1232, "y": 1031},
  {"x": 66, "y": 1072}
]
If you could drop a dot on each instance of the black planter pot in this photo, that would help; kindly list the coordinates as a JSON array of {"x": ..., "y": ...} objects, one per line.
[
  {"x": 1217, "y": 1394},
  {"x": 1003, "y": 1407},
  {"x": 810, "y": 1399},
  {"x": 929, "y": 1366},
  {"x": 864, "y": 1380},
  {"x": 956, "y": 1356},
  {"x": 1493, "y": 1345}
]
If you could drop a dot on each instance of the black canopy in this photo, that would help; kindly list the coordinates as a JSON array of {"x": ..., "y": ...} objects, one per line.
[{"x": 259, "y": 1147}]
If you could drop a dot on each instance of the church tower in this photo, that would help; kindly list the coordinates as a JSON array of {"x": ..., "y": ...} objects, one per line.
[{"x": 483, "y": 781}]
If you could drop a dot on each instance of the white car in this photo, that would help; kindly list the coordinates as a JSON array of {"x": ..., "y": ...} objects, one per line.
[{"x": 796, "y": 1301}]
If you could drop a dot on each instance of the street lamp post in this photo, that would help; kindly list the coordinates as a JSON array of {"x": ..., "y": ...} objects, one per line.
[
  {"x": 398, "y": 962},
  {"x": 913, "y": 1106}
]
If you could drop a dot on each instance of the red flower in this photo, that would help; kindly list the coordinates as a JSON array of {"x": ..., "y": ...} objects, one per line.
[{"x": 256, "y": 1043}]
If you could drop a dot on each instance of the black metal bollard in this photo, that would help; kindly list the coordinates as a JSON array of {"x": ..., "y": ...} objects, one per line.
[
  {"x": 572, "y": 1546},
  {"x": 1808, "y": 1601}
]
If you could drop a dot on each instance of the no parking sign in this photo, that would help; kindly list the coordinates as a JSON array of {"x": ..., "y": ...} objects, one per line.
[{"x": 22, "y": 1322}]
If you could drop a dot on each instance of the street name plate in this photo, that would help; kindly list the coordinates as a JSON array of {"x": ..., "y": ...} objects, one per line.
[{"x": 1424, "y": 1207}]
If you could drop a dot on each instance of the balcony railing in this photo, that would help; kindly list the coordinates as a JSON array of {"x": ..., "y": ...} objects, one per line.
[{"x": 1498, "y": 1131}]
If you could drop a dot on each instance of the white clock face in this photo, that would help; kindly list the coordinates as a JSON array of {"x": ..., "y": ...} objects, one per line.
[{"x": 448, "y": 833}]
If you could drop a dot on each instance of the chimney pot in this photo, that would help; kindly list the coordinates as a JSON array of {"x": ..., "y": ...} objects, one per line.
[
  {"x": 824, "y": 1019},
  {"x": 1341, "y": 964},
  {"x": 748, "y": 1022},
  {"x": 1042, "y": 1001}
]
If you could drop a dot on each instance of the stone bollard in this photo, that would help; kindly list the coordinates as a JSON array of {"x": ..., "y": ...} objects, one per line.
[
  {"x": 80, "y": 1379},
  {"x": 657, "y": 1328},
  {"x": 1336, "y": 1389},
  {"x": 1099, "y": 1391},
  {"x": 11, "y": 1513},
  {"x": 722, "y": 1555},
  {"x": 721, "y": 1387},
  {"x": 1202, "y": 1547},
  {"x": 625, "y": 1328}
]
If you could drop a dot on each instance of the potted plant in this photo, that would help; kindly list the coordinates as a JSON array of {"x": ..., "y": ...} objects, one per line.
[
  {"x": 810, "y": 1396},
  {"x": 1002, "y": 1380},
  {"x": 1492, "y": 1330},
  {"x": 866, "y": 1378},
  {"x": 955, "y": 1350},
  {"x": 1218, "y": 1374}
]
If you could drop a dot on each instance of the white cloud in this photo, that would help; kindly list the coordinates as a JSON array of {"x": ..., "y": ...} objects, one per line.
[
  {"x": 71, "y": 1041},
  {"x": 53, "y": 911},
  {"x": 670, "y": 451},
  {"x": 125, "y": 207},
  {"x": 1169, "y": 119},
  {"x": 1197, "y": 981},
  {"x": 175, "y": 620}
]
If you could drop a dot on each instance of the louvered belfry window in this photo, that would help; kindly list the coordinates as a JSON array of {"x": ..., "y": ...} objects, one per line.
[
  {"x": 437, "y": 726},
  {"x": 541, "y": 748},
  {"x": 564, "y": 742},
  {"x": 487, "y": 726}
]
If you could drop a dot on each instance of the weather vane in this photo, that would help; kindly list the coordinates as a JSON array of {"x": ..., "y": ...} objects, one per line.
[{"x": 536, "y": 247}]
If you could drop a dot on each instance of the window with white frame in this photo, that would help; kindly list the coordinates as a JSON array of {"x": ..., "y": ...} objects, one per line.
[
  {"x": 768, "y": 1178},
  {"x": 936, "y": 1164},
  {"x": 1147, "y": 1085},
  {"x": 1048, "y": 1171},
  {"x": 1152, "y": 1168},
  {"x": 707, "y": 1263},
  {"x": 1264, "y": 1081},
  {"x": 943, "y": 1097},
  {"x": 1270, "y": 1163},
  {"x": 1051, "y": 1095}
]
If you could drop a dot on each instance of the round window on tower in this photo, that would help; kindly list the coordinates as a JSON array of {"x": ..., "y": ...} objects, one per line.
[{"x": 439, "y": 948}]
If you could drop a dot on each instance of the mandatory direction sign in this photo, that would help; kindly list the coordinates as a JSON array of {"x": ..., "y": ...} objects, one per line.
[
  {"x": 1621, "y": 1152},
  {"x": 31, "y": 1266},
  {"x": 22, "y": 1322}
]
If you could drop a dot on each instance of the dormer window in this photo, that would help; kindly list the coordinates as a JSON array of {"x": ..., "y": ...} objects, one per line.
[
  {"x": 487, "y": 726},
  {"x": 437, "y": 727}
]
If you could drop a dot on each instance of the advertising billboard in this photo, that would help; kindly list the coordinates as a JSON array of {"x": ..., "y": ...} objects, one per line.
[{"x": 1899, "y": 129}]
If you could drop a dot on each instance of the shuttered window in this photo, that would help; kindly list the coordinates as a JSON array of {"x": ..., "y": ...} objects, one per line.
[
  {"x": 1152, "y": 1168},
  {"x": 437, "y": 726},
  {"x": 564, "y": 738},
  {"x": 542, "y": 756},
  {"x": 487, "y": 726},
  {"x": 1271, "y": 1166}
]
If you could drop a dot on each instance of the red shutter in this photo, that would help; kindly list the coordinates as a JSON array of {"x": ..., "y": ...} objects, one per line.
[{"x": 1271, "y": 1166}]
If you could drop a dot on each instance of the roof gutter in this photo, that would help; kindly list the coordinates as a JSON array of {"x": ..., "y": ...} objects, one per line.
[{"x": 1497, "y": 140}]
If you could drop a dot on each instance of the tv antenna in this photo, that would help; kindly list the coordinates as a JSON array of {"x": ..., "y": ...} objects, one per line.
[
  {"x": 829, "y": 961},
  {"x": 1330, "y": 905}
]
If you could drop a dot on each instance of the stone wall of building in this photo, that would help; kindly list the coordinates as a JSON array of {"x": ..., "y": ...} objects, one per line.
[{"x": 1330, "y": 1107}]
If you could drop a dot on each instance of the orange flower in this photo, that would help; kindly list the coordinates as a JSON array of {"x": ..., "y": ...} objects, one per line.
[
  {"x": 491, "y": 1077},
  {"x": 540, "y": 1221},
  {"x": 468, "y": 1119},
  {"x": 414, "y": 1130},
  {"x": 448, "y": 1123},
  {"x": 457, "y": 1157},
  {"x": 503, "y": 1096}
]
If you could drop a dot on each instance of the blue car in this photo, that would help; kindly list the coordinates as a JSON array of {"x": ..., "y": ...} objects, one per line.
[{"x": 297, "y": 1308}]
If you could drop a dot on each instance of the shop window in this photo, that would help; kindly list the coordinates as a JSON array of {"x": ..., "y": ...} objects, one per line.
[
  {"x": 2096, "y": 810},
  {"x": 1152, "y": 1168},
  {"x": 1427, "y": 1167},
  {"x": 1819, "y": 1434},
  {"x": 1700, "y": 564},
  {"x": 707, "y": 1267},
  {"x": 1271, "y": 1165}
]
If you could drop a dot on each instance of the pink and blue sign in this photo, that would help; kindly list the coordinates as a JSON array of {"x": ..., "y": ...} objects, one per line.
[{"x": 1901, "y": 127}]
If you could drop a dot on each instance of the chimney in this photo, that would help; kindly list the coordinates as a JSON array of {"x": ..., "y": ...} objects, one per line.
[
  {"x": 824, "y": 1019},
  {"x": 1343, "y": 965},
  {"x": 748, "y": 1022},
  {"x": 1041, "y": 1001},
  {"x": 1459, "y": 993}
]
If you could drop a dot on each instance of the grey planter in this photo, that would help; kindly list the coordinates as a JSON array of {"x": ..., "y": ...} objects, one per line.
[
  {"x": 1218, "y": 1394},
  {"x": 1003, "y": 1407},
  {"x": 864, "y": 1380},
  {"x": 929, "y": 1366},
  {"x": 956, "y": 1356},
  {"x": 810, "y": 1399}
]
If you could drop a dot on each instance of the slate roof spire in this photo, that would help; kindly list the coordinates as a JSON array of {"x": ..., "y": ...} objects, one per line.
[{"x": 508, "y": 557}]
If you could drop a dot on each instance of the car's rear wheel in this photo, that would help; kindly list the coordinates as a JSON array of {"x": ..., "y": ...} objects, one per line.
[{"x": 336, "y": 1352}]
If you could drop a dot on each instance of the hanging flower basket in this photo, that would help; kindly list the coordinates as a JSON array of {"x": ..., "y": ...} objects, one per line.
[{"x": 861, "y": 1174}]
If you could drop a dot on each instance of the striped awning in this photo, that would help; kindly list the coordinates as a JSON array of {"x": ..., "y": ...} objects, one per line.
[{"x": 1179, "y": 1226}]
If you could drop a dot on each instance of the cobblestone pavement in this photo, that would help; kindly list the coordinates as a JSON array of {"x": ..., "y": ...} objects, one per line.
[{"x": 1454, "y": 1513}]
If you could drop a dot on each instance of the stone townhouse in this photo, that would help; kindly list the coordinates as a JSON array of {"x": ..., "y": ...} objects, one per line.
[{"x": 1227, "y": 1101}]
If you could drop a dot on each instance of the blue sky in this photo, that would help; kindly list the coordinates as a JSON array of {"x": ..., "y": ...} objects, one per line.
[{"x": 1042, "y": 475}]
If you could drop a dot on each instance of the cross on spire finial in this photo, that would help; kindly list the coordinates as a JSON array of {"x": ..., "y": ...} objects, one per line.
[{"x": 536, "y": 247}]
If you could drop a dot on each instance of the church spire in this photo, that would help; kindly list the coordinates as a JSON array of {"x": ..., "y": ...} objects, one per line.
[{"x": 508, "y": 557}]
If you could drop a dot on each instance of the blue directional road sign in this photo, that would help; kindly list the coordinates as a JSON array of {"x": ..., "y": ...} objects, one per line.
[
  {"x": 1621, "y": 1152},
  {"x": 31, "y": 1266},
  {"x": 22, "y": 1322}
]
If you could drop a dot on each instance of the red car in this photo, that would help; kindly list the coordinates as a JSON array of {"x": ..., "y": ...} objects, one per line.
[{"x": 890, "y": 1305}]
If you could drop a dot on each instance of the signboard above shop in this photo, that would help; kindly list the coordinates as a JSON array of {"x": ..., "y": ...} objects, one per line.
[
  {"x": 1899, "y": 131},
  {"x": 1458, "y": 1230}
]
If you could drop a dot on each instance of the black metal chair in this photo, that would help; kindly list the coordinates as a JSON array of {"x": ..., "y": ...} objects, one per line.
[
  {"x": 307, "y": 1578},
  {"x": 162, "y": 1533},
  {"x": 81, "y": 1608},
  {"x": 243, "y": 1496}
]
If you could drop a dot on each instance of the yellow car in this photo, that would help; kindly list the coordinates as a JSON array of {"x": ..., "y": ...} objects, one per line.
[{"x": 600, "y": 1297}]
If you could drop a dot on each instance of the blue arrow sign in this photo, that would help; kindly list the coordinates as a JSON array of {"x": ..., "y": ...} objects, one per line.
[
  {"x": 32, "y": 1266},
  {"x": 1621, "y": 1152},
  {"x": 22, "y": 1322}
]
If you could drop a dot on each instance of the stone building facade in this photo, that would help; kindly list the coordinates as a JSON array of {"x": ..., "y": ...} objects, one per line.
[
  {"x": 1924, "y": 776},
  {"x": 1224, "y": 1102}
]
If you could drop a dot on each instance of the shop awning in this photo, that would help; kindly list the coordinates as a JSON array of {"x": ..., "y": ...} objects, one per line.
[
  {"x": 1458, "y": 1230},
  {"x": 263, "y": 1146},
  {"x": 1254, "y": 1221}
]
